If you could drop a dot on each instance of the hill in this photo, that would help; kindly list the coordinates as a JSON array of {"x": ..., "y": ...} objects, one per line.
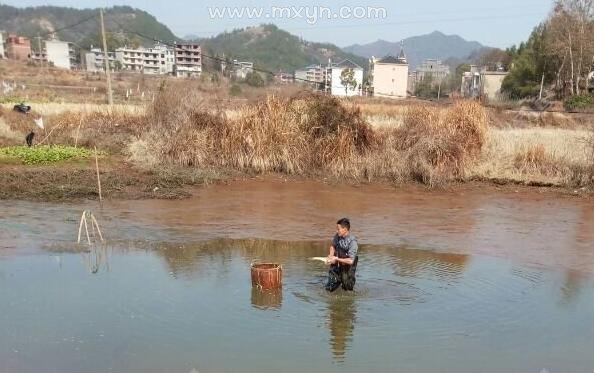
[
  {"x": 274, "y": 49},
  {"x": 42, "y": 20},
  {"x": 420, "y": 48}
]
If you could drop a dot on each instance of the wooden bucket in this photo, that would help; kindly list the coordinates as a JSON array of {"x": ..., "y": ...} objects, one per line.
[{"x": 267, "y": 275}]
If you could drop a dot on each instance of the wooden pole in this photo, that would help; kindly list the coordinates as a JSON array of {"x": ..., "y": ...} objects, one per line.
[
  {"x": 106, "y": 60},
  {"x": 97, "y": 225},
  {"x": 98, "y": 178},
  {"x": 80, "y": 226}
]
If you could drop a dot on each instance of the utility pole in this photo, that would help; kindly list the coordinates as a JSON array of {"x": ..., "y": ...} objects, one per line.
[
  {"x": 39, "y": 50},
  {"x": 106, "y": 60}
]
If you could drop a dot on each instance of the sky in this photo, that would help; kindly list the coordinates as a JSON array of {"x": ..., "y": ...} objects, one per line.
[{"x": 499, "y": 23}]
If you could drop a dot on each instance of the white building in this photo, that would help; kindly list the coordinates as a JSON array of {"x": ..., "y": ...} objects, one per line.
[
  {"x": 2, "y": 46},
  {"x": 482, "y": 83},
  {"x": 60, "y": 53},
  {"x": 390, "y": 76},
  {"x": 334, "y": 83},
  {"x": 242, "y": 68},
  {"x": 95, "y": 60},
  {"x": 314, "y": 75},
  {"x": 158, "y": 60},
  {"x": 433, "y": 68}
]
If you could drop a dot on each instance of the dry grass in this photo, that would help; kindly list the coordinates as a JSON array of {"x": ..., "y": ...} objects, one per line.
[
  {"x": 300, "y": 135},
  {"x": 441, "y": 145},
  {"x": 53, "y": 108},
  {"x": 537, "y": 155},
  {"x": 319, "y": 136}
]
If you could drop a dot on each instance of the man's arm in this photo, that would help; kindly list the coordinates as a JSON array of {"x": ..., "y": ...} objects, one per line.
[{"x": 347, "y": 261}]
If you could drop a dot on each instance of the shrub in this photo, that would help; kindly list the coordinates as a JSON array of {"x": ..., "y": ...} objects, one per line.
[
  {"x": 579, "y": 102},
  {"x": 302, "y": 135},
  {"x": 440, "y": 146},
  {"x": 254, "y": 79},
  {"x": 235, "y": 90}
]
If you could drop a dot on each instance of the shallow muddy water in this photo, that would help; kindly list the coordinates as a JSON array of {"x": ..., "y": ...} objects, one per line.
[{"x": 462, "y": 281}]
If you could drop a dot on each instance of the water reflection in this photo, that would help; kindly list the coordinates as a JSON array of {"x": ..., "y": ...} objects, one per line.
[
  {"x": 270, "y": 299},
  {"x": 96, "y": 258},
  {"x": 411, "y": 262},
  {"x": 342, "y": 312}
]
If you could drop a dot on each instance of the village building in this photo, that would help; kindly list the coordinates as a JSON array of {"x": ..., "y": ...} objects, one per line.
[
  {"x": 334, "y": 79},
  {"x": 95, "y": 60},
  {"x": 61, "y": 54},
  {"x": 18, "y": 47},
  {"x": 158, "y": 60},
  {"x": 482, "y": 83},
  {"x": 313, "y": 75},
  {"x": 390, "y": 76},
  {"x": 188, "y": 60},
  {"x": 242, "y": 68},
  {"x": 2, "y": 45}
]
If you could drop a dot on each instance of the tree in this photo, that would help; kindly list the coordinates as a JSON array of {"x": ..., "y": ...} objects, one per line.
[
  {"x": 254, "y": 79},
  {"x": 570, "y": 41},
  {"x": 347, "y": 79},
  {"x": 529, "y": 63},
  {"x": 426, "y": 87}
]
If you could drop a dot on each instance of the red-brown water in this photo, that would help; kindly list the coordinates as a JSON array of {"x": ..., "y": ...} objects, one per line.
[
  {"x": 465, "y": 280},
  {"x": 525, "y": 226}
]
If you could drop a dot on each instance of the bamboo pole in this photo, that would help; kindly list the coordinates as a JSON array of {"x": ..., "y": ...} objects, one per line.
[
  {"x": 97, "y": 225},
  {"x": 80, "y": 226},
  {"x": 98, "y": 178},
  {"x": 87, "y": 229}
]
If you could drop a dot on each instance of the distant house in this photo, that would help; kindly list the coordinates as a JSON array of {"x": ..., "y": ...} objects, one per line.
[
  {"x": 157, "y": 60},
  {"x": 188, "y": 60},
  {"x": 18, "y": 47},
  {"x": 313, "y": 75},
  {"x": 284, "y": 78},
  {"x": 2, "y": 45},
  {"x": 334, "y": 80},
  {"x": 242, "y": 68},
  {"x": 482, "y": 83},
  {"x": 61, "y": 54},
  {"x": 95, "y": 60},
  {"x": 433, "y": 68},
  {"x": 390, "y": 76}
]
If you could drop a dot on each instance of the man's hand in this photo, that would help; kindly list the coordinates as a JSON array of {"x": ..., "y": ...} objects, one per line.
[{"x": 331, "y": 260}]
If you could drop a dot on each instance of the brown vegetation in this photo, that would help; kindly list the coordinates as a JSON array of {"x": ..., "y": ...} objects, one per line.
[
  {"x": 189, "y": 138},
  {"x": 302, "y": 135}
]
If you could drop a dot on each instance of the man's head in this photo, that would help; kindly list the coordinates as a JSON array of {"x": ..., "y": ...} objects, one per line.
[{"x": 343, "y": 226}]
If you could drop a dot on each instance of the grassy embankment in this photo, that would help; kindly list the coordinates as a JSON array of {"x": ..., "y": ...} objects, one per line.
[{"x": 182, "y": 139}]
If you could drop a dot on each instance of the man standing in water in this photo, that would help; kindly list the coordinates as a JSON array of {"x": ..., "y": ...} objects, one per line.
[{"x": 342, "y": 257}]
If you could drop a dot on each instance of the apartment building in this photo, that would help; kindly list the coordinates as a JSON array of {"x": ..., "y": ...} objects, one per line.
[
  {"x": 61, "y": 54},
  {"x": 433, "y": 68},
  {"x": 18, "y": 47},
  {"x": 158, "y": 60},
  {"x": 95, "y": 60},
  {"x": 188, "y": 60},
  {"x": 2, "y": 45},
  {"x": 314, "y": 75}
]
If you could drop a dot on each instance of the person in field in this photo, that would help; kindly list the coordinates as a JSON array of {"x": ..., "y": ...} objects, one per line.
[{"x": 342, "y": 258}]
